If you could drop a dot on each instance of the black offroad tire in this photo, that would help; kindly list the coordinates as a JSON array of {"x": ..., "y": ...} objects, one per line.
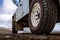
[
  {"x": 13, "y": 27},
  {"x": 52, "y": 16},
  {"x": 48, "y": 18}
]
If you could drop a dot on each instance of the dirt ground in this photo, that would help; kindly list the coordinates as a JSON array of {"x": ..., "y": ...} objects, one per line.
[
  {"x": 29, "y": 37},
  {"x": 6, "y": 34},
  {"x": 5, "y": 31}
]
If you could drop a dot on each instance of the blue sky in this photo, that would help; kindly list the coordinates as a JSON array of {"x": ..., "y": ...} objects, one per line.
[
  {"x": 7, "y": 9},
  {"x": 1, "y": 2}
]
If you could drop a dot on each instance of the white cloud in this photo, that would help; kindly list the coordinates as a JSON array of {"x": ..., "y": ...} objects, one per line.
[
  {"x": 4, "y": 25},
  {"x": 9, "y": 7},
  {"x": 5, "y": 17},
  {"x": 57, "y": 27},
  {"x": 6, "y": 12}
]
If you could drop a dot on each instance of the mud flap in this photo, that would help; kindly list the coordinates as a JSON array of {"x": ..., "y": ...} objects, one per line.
[{"x": 18, "y": 27}]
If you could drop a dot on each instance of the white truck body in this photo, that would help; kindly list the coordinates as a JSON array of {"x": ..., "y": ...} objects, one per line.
[{"x": 22, "y": 10}]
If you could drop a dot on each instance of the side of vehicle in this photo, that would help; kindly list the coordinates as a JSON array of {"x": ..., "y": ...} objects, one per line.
[{"x": 39, "y": 15}]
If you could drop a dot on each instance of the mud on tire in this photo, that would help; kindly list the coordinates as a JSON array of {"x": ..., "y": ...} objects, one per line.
[{"x": 13, "y": 26}]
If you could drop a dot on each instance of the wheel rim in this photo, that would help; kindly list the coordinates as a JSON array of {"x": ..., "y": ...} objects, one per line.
[{"x": 36, "y": 14}]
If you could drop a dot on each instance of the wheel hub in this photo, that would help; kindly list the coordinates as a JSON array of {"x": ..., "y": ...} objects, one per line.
[{"x": 35, "y": 14}]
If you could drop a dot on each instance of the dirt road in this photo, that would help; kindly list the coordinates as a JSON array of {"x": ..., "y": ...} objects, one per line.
[{"x": 28, "y": 36}]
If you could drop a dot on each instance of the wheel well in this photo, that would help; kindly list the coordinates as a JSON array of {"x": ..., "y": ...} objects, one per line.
[
  {"x": 30, "y": 2},
  {"x": 58, "y": 10}
]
